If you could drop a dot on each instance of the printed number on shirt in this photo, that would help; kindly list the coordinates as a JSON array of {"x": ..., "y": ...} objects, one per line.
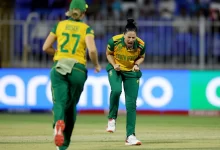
[{"x": 69, "y": 37}]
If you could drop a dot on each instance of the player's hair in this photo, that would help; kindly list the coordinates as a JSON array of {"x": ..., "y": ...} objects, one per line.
[
  {"x": 131, "y": 25},
  {"x": 76, "y": 14}
]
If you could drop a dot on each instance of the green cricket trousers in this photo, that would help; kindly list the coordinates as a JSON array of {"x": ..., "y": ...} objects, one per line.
[
  {"x": 66, "y": 91},
  {"x": 130, "y": 82}
]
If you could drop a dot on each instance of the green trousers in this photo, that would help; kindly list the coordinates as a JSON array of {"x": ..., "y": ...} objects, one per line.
[
  {"x": 66, "y": 91},
  {"x": 130, "y": 82}
]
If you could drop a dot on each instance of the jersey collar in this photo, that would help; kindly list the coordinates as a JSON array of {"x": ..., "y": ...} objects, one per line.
[{"x": 123, "y": 43}]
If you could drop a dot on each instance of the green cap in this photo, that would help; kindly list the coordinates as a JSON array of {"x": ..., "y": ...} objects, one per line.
[{"x": 78, "y": 4}]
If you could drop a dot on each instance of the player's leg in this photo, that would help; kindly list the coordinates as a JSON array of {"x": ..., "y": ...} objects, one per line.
[
  {"x": 131, "y": 86},
  {"x": 69, "y": 126},
  {"x": 115, "y": 81},
  {"x": 60, "y": 97},
  {"x": 76, "y": 83}
]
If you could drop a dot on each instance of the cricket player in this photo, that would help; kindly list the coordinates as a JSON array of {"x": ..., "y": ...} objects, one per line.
[
  {"x": 69, "y": 72},
  {"x": 125, "y": 53}
]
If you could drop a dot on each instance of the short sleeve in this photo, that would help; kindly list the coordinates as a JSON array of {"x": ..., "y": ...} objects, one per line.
[
  {"x": 54, "y": 29},
  {"x": 143, "y": 50},
  {"x": 89, "y": 31},
  {"x": 110, "y": 45}
]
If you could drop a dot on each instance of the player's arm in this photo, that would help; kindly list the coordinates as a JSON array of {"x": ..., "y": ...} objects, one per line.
[
  {"x": 93, "y": 54},
  {"x": 141, "y": 57},
  {"x": 91, "y": 46},
  {"x": 139, "y": 60},
  {"x": 48, "y": 44},
  {"x": 110, "y": 52},
  {"x": 110, "y": 55}
]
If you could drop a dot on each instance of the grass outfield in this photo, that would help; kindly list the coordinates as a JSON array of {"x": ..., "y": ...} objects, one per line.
[{"x": 34, "y": 132}]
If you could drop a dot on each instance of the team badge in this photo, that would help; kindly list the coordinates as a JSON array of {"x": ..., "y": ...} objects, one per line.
[{"x": 110, "y": 73}]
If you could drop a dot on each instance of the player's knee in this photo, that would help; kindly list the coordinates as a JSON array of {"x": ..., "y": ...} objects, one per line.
[
  {"x": 116, "y": 92},
  {"x": 130, "y": 108},
  {"x": 131, "y": 105}
]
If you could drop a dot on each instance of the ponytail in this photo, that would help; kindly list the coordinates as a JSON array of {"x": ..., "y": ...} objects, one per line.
[{"x": 75, "y": 14}]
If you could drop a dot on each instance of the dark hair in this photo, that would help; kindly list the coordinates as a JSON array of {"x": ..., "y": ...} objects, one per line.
[{"x": 130, "y": 26}]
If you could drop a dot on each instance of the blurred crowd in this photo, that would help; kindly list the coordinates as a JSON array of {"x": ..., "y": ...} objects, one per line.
[
  {"x": 181, "y": 37},
  {"x": 139, "y": 9},
  {"x": 174, "y": 30},
  {"x": 180, "y": 12}
]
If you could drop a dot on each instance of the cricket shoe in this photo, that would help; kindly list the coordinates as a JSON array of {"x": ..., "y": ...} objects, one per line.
[
  {"x": 111, "y": 125},
  {"x": 58, "y": 130},
  {"x": 132, "y": 140}
]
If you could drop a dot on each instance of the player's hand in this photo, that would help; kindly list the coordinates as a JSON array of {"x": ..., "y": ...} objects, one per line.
[
  {"x": 117, "y": 67},
  {"x": 135, "y": 68},
  {"x": 97, "y": 68}
]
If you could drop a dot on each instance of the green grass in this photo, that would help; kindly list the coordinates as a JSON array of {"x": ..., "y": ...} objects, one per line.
[{"x": 34, "y": 132}]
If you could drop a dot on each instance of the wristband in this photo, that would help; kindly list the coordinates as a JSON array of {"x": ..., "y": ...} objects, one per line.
[{"x": 136, "y": 64}]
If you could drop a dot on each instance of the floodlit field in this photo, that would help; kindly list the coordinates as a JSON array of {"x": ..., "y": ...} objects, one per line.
[{"x": 34, "y": 132}]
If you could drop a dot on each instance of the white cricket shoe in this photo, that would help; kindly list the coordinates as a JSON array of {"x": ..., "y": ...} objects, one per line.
[
  {"x": 132, "y": 140},
  {"x": 111, "y": 125}
]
